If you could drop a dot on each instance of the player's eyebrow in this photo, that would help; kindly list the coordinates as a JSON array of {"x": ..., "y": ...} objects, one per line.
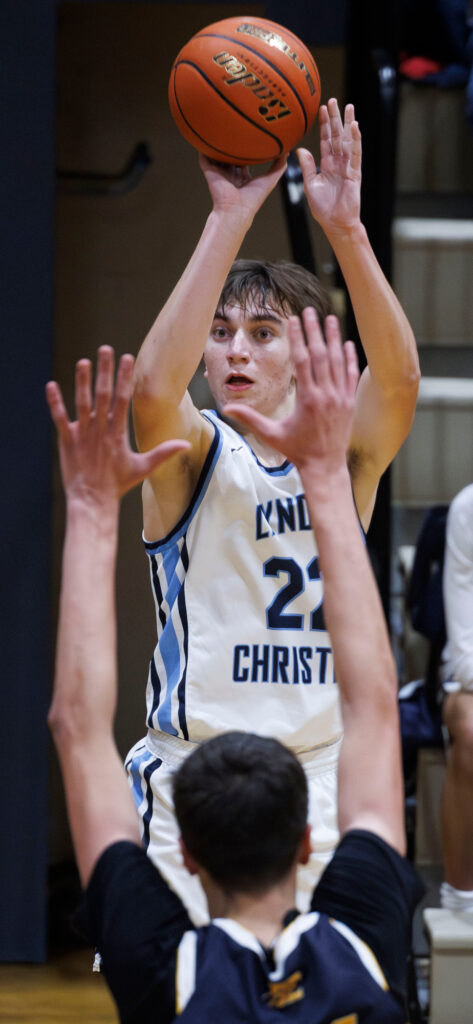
[
  {"x": 265, "y": 316},
  {"x": 257, "y": 318}
]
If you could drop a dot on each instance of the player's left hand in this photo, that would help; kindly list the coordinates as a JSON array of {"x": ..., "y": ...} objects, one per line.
[
  {"x": 334, "y": 194},
  {"x": 97, "y": 461},
  {"x": 317, "y": 433}
]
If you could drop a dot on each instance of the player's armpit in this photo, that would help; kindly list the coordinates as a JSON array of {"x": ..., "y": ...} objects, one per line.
[{"x": 364, "y": 480}]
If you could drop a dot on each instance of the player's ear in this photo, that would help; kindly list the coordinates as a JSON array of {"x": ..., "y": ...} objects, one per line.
[
  {"x": 188, "y": 859},
  {"x": 305, "y": 848}
]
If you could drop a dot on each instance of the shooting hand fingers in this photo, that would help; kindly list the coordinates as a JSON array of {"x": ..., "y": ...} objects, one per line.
[
  {"x": 355, "y": 158},
  {"x": 336, "y": 127},
  {"x": 347, "y": 131},
  {"x": 325, "y": 134}
]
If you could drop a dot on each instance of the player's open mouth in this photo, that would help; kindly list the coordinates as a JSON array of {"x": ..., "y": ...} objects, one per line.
[{"x": 238, "y": 382}]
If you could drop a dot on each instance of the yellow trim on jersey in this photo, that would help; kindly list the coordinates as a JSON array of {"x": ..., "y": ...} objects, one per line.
[
  {"x": 364, "y": 951},
  {"x": 284, "y": 993},
  {"x": 185, "y": 977}
]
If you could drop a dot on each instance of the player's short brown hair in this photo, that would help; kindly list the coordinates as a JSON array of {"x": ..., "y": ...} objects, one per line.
[{"x": 284, "y": 286}]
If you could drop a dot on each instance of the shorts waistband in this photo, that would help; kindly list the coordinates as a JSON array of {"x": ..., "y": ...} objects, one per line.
[
  {"x": 174, "y": 750},
  {"x": 320, "y": 759},
  {"x": 171, "y": 749}
]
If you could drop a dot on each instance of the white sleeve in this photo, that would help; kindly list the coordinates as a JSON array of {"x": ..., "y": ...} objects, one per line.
[{"x": 458, "y": 589}]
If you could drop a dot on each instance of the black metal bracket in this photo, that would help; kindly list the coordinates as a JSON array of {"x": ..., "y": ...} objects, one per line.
[
  {"x": 295, "y": 209},
  {"x": 91, "y": 183}
]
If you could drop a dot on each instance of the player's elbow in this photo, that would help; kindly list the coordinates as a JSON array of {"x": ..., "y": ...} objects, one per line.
[
  {"x": 67, "y": 723},
  {"x": 404, "y": 387},
  {"x": 58, "y": 723},
  {"x": 411, "y": 380}
]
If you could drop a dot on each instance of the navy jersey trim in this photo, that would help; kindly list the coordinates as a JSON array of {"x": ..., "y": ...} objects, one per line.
[
  {"x": 147, "y": 773},
  {"x": 158, "y": 591},
  {"x": 156, "y": 685},
  {"x": 153, "y": 546},
  {"x": 281, "y": 470},
  {"x": 181, "y": 686}
]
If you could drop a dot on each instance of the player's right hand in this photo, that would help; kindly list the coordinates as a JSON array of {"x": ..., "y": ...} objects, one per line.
[{"x": 235, "y": 189}]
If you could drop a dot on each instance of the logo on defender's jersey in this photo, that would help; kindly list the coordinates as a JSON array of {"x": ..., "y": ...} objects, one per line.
[{"x": 283, "y": 993}]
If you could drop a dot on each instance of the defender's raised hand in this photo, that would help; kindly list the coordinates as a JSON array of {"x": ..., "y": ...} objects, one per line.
[
  {"x": 333, "y": 194},
  {"x": 318, "y": 430},
  {"x": 97, "y": 461}
]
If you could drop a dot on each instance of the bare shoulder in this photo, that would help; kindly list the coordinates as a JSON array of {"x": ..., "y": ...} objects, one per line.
[{"x": 168, "y": 492}]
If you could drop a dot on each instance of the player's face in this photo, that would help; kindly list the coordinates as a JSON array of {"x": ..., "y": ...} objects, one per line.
[{"x": 248, "y": 359}]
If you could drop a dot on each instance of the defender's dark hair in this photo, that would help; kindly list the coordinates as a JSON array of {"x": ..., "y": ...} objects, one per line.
[
  {"x": 284, "y": 286},
  {"x": 241, "y": 804}
]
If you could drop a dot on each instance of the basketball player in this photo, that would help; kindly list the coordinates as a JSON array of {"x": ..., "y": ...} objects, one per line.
[
  {"x": 241, "y": 799},
  {"x": 242, "y": 641}
]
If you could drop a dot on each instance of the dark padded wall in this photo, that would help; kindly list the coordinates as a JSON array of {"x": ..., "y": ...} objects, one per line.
[{"x": 26, "y": 272}]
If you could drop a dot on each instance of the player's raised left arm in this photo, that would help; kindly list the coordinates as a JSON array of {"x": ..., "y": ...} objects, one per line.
[
  {"x": 388, "y": 387},
  {"x": 97, "y": 468}
]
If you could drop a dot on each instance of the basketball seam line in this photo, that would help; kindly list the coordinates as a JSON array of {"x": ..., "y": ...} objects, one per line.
[
  {"x": 266, "y": 131},
  {"x": 287, "y": 31},
  {"x": 229, "y": 39}
]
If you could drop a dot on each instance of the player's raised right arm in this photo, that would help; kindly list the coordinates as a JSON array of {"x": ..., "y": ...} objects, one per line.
[{"x": 173, "y": 348}]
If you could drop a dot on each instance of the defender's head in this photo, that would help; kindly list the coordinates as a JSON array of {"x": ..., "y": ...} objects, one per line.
[{"x": 241, "y": 805}]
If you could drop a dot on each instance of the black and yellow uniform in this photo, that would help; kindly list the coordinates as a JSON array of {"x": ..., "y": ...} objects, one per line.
[{"x": 344, "y": 962}]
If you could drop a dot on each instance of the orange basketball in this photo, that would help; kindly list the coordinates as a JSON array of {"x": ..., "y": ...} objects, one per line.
[{"x": 244, "y": 90}]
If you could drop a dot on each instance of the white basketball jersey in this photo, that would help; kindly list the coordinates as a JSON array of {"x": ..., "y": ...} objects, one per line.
[{"x": 242, "y": 642}]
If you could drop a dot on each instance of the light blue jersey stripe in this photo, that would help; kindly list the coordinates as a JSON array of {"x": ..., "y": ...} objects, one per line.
[
  {"x": 170, "y": 562},
  {"x": 169, "y": 650},
  {"x": 136, "y": 778},
  {"x": 169, "y": 643}
]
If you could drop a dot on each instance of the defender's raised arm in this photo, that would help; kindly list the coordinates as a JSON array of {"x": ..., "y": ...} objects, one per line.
[
  {"x": 316, "y": 438},
  {"x": 97, "y": 468}
]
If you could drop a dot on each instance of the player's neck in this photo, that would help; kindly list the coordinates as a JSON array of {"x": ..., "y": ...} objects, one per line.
[
  {"x": 263, "y": 916},
  {"x": 264, "y": 453}
]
